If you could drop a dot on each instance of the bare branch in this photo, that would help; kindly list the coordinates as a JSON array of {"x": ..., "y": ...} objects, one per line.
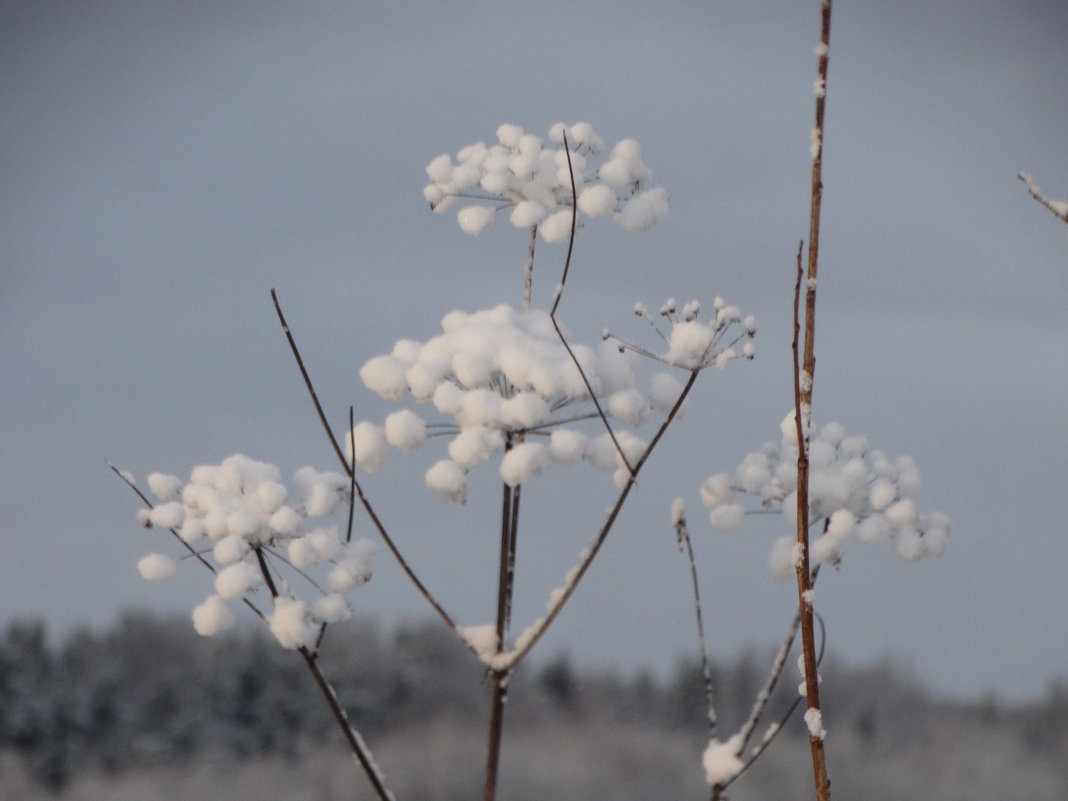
[
  {"x": 351, "y": 472},
  {"x": 686, "y": 545},
  {"x": 559, "y": 293},
  {"x": 803, "y": 378},
  {"x": 1058, "y": 208}
]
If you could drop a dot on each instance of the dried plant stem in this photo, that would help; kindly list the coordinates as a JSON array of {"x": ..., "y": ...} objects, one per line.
[
  {"x": 528, "y": 269},
  {"x": 1058, "y": 208},
  {"x": 498, "y": 699},
  {"x": 505, "y": 588},
  {"x": 351, "y": 473},
  {"x": 804, "y": 370},
  {"x": 558, "y": 295},
  {"x": 563, "y": 594},
  {"x": 686, "y": 545},
  {"x": 356, "y": 742}
]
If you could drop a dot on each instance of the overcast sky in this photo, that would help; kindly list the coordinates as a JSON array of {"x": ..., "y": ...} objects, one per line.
[{"x": 165, "y": 164}]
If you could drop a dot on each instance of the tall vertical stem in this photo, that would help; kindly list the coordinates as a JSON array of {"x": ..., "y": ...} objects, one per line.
[
  {"x": 803, "y": 377},
  {"x": 505, "y": 585}
]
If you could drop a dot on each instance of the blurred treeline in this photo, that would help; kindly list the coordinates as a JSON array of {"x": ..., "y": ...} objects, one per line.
[{"x": 150, "y": 710}]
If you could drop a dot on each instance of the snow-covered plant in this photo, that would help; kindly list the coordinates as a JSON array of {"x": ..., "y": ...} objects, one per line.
[
  {"x": 694, "y": 345},
  {"x": 509, "y": 382},
  {"x": 504, "y": 380},
  {"x": 266, "y": 544},
  {"x": 499, "y": 381},
  {"x": 243, "y": 523},
  {"x": 534, "y": 180},
  {"x": 855, "y": 493}
]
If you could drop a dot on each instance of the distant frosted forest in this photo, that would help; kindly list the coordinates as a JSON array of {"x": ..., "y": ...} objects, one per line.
[{"x": 150, "y": 710}]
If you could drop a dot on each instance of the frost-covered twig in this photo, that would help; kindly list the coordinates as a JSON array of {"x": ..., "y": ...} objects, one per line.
[
  {"x": 803, "y": 376},
  {"x": 682, "y": 533},
  {"x": 737, "y": 744},
  {"x": 1058, "y": 208}
]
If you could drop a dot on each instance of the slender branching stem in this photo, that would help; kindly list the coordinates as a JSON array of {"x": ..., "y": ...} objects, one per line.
[
  {"x": 761, "y": 701},
  {"x": 356, "y": 742},
  {"x": 575, "y": 576},
  {"x": 308, "y": 382},
  {"x": 804, "y": 370},
  {"x": 686, "y": 545},
  {"x": 558, "y": 295},
  {"x": 351, "y": 472}
]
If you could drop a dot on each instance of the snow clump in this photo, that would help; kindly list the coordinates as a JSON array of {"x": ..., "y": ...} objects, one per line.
[
  {"x": 504, "y": 382},
  {"x": 242, "y": 521},
  {"x": 854, "y": 493},
  {"x": 530, "y": 178},
  {"x": 694, "y": 344}
]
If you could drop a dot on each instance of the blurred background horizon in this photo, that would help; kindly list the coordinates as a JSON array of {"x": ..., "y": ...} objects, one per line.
[{"x": 165, "y": 165}]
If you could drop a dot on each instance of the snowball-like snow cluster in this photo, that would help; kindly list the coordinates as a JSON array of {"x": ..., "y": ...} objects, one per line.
[
  {"x": 854, "y": 493},
  {"x": 504, "y": 381},
  {"x": 237, "y": 511},
  {"x": 694, "y": 344},
  {"x": 522, "y": 174}
]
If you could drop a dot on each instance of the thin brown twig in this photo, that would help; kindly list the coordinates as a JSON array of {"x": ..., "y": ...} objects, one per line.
[
  {"x": 364, "y": 500},
  {"x": 803, "y": 380},
  {"x": 686, "y": 545},
  {"x": 528, "y": 269},
  {"x": 356, "y": 742},
  {"x": 307, "y": 381},
  {"x": 559, "y": 293},
  {"x": 575, "y": 576}
]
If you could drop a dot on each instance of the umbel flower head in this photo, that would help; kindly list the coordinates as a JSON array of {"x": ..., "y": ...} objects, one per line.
[
  {"x": 695, "y": 344},
  {"x": 504, "y": 381},
  {"x": 854, "y": 493},
  {"x": 238, "y": 512},
  {"x": 532, "y": 182}
]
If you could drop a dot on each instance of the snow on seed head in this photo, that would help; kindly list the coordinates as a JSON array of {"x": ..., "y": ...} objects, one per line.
[
  {"x": 233, "y": 581},
  {"x": 405, "y": 430},
  {"x": 157, "y": 567},
  {"x": 212, "y": 617},
  {"x": 567, "y": 446},
  {"x": 164, "y": 487},
  {"x": 449, "y": 480},
  {"x": 644, "y": 210},
  {"x": 291, "y": 623},
  {"x": 523, "y": 462},
  {"x": 855, "y": 492}
]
